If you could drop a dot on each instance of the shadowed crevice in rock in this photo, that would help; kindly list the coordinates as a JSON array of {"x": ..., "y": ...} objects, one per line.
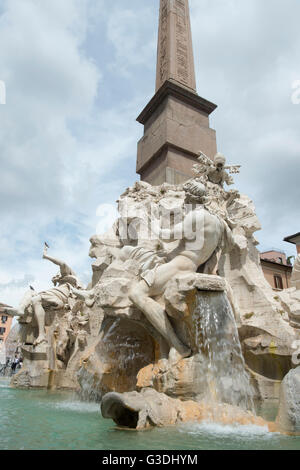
[{"x": 113, "y": 406}]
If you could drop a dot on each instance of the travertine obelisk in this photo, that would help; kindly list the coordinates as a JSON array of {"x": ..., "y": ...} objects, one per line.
[
  {"x": 176, "y": 120},
  {"x": 175, "y": 59}
]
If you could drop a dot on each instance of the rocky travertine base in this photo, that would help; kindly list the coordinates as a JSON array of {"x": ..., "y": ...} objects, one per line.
[
  {"x": 288, "y": 420},
  {"x": 55, "y": 363},
  {"x": 113, "y": 362},
  {"x": 290, "y": 298},
  {"x": 127, "y": 353},
  {"x": 181, "y": 380},
  {"x": 130, "y": 354},
  {"x": 152, "y": 409},
  {"x": 269, "y": 319}
]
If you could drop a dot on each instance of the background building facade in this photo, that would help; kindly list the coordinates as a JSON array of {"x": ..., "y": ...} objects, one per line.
[
  {"x": 294, "y": 240},
  {"x": 277, "y": 269},
  {"x": 5, "y": 324}
]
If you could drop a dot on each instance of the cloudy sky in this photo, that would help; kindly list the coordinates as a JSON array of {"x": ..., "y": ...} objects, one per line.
[{"x": 78, "y": 73}]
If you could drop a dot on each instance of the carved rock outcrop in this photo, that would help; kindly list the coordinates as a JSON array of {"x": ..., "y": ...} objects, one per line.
[
  {"x": 288, "y": 419},
  {"x": 152, "y": 409}
]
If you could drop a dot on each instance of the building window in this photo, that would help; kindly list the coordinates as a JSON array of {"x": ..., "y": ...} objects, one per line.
[
  {"x": 4, "y": 319},
  {"x": 2, "y": 331},
  {"x": 278, "y": 282}
]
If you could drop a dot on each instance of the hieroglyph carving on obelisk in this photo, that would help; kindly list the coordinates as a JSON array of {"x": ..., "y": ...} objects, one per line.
[{"x": 175, "y": 59}]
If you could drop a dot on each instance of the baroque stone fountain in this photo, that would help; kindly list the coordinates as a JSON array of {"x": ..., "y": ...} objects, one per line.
[{"x": 178, "y": 323}]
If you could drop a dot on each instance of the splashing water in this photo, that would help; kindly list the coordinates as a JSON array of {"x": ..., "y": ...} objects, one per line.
[{"x": 217, "y": 337}]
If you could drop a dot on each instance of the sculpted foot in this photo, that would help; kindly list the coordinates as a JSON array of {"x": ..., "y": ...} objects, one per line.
[{"x": 176, "y": 356}]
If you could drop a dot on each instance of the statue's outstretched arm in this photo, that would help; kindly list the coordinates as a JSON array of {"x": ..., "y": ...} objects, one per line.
[{"x": 65, "y": 269}]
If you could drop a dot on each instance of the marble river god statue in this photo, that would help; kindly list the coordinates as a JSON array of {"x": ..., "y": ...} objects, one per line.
[
  {"x": 195, "y": 249},
  {"x": 55, "y": 298},
  {"x": 177, "y": 316},
  {"x": 55, "y": 329}
]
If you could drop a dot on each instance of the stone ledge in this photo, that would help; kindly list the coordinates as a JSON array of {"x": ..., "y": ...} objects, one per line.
[{"x": 180, "y": 92}]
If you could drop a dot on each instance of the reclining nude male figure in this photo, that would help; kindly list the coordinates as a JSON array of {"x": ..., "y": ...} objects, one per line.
[
  {"x": 201, "y": 236},
  {"x": 55, "y": 298}
]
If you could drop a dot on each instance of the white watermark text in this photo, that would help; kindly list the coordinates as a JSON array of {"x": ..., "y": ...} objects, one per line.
[{"x": 2, "y": 92}]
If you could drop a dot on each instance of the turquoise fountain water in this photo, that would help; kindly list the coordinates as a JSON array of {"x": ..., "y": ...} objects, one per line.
[{"x": 50, "y": 420}]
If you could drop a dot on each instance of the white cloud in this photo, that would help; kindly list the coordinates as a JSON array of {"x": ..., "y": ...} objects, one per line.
[
  {"x": 49, "y": 82},
  {"x": 78, "y": 72},
  {"x": 246, "y": 63},
  {"x": 57, "y": 145},
  {"x": 137, "y": 47}
]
